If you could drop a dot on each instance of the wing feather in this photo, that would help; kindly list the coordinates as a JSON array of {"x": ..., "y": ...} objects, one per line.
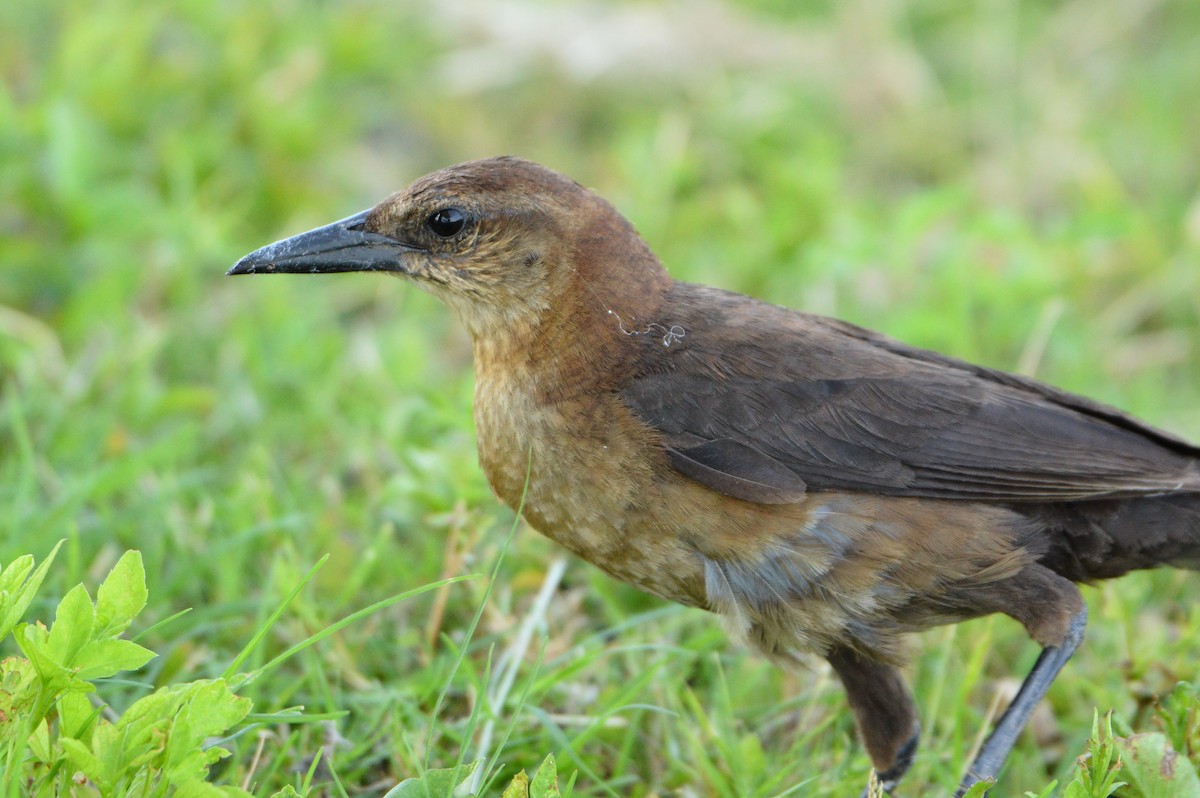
[{"x": 762, "y": 403}]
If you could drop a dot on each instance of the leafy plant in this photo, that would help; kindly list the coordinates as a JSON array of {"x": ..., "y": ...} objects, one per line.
[
  {"x": 1100, "y": 767},
  {"x": 54, "y": 739},
  {"x": 57, "y": 737},
  {"x": 1155, "y": 770},
  {"x": 1179, "y": 711},
  {"x": 1142, "y": 765},
  {"x": 451, "y": 782}
]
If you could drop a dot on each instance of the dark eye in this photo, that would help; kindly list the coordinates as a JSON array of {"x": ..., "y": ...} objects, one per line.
[{"x": 447, "y": 222}]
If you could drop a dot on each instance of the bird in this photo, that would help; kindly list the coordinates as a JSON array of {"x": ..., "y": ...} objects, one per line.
[{"x": 824, "y": 489}]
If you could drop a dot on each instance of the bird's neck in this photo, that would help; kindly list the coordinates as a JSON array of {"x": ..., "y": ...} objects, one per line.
[
  {"x": 546, "y": 389},
  {"x": 592, "y": 341}
]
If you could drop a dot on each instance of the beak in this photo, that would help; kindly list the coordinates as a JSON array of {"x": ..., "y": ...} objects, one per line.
[{"x": 343, "y": 246}]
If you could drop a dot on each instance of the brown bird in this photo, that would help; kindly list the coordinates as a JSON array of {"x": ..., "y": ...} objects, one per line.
[{"x": 821, "y": 487}]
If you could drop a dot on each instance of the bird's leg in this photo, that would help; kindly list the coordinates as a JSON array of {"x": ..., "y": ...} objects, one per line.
[
  {"x": 1051, "y": 609},
  {"x": 995, "y": 750},
  {"x": 883, "y": 711}
]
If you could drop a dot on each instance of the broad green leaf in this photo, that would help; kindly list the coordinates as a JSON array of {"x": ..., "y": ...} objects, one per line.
[
  {"x": 518, "y": 787},
  {"x": 102, "y": 658},
  {"x": 82, "y": 759},
  {"x": 12, "y": 578},
  {"x": 16, "y": 590},
  {"x": 192, "y": 765},
  {"x": 145, "y": 725},
  {"x": 109, "y": 748},
  {"x": 72, "y": 629},
  {"x": 545, "y": 781},
  {"x": 76, "y": 716},
  {"x": 210, "y": 710},
  {"x": 33, "y": 642},
  {"x": 1152, "y": 769},
  {"x": 121, "y": 596},
  {"x": 197, "y": 789},
  {"x": 433, "y": 783},
  {"x": 149, "y": 710},
  {"x": 13, "y": 574},
  {"x": 202, "y": 789},
  {"x": 39, "y": 742}
]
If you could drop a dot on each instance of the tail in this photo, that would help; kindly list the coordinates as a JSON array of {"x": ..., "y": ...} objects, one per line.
[{"x": 1103, "y": 539}]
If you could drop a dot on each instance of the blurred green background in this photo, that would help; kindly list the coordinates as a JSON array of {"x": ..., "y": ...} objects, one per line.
[{"x": 1015, "y": 183}]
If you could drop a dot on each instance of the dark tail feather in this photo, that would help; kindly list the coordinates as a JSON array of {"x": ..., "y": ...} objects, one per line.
[{"x": 1103, "y": 539}]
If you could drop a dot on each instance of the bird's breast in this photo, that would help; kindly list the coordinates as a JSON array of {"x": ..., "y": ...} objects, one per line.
[{"x": 585, "y": 473}]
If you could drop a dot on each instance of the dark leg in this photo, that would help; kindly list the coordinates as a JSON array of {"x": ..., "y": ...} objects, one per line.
[
  {"x": 1000, "y": 741},
  {"x": 883, "y": 711},
  {"x": 1052, "y": 611}
]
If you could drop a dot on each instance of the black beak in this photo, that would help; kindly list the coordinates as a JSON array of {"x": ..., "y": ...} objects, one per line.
[{"x": 339, "y": 247}]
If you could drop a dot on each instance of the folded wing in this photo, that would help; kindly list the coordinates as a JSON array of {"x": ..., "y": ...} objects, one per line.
[{"x": 788, "y": 403}]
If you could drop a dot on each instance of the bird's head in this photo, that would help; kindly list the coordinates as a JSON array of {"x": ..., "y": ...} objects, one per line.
[{"x": 502, "y": 241}]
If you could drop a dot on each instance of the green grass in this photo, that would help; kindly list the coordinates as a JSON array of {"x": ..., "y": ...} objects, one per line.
[{"x": 1015, "y": 184}]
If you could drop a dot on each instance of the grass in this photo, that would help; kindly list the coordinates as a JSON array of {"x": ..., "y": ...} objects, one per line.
[{"x": 1012, "y": 183}]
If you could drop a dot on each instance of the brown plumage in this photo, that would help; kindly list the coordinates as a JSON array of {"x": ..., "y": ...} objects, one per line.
[{"x": 821, "y": 487}]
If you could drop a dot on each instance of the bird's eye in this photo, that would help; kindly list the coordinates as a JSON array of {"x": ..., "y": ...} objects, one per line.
[{"x": 447, "y": 222}]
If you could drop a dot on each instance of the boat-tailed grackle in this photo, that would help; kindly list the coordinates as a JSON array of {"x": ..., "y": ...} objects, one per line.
[{"x": 819, "y": 486}]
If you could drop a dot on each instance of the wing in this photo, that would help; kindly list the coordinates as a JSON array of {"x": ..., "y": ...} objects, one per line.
[{"x": 763, "y": 403}]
